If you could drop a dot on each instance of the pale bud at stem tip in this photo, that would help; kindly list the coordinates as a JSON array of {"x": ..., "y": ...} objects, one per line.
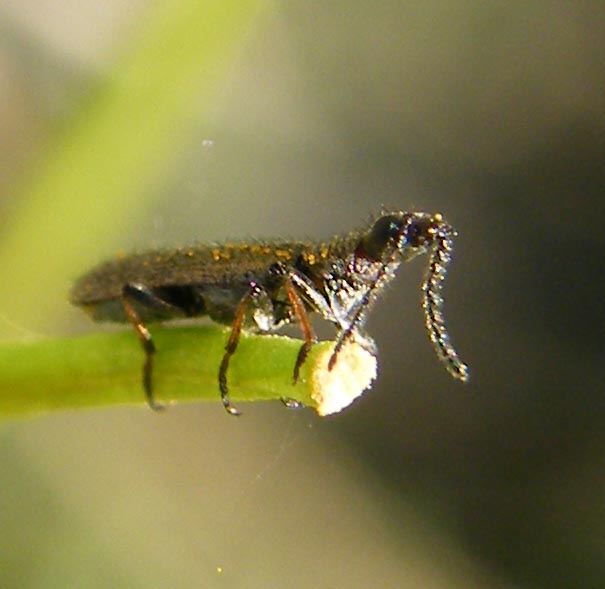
[{"x": 354, "y": 372}]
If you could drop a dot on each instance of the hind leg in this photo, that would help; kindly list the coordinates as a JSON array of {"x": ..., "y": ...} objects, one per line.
[{"x": 138, "y": 295}]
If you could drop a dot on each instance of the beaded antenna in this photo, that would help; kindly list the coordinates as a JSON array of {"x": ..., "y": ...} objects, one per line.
[{"x": 432, "y": 302}]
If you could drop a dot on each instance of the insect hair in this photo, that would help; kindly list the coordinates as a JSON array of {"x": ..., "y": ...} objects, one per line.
[{"x": 432, "y": 304}]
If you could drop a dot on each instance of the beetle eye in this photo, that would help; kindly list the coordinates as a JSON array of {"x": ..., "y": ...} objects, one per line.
[
  {"x": 419, "y": 231},
  {"x": 385, "y": 233},
  {"x": 414, "y": 233}
]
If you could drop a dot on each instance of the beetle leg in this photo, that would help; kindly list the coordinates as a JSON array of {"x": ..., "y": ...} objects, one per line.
[
  {"x": 280, "y": 276},
  {"x": 356, "y": 318},
  {"x": 300, "y": 312},
  {"x": 258, "y": 296},
  {"x": 291, "y": 403},
  {"x": 140, "y": 294},
  {"x": 309, "y": 293}
]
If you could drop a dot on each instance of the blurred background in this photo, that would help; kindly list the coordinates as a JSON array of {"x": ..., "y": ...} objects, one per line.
[{"x": 135, "y": 123}]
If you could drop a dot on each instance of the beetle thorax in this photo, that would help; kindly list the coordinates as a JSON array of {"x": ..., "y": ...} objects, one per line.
[{"x": 354, "y": 283}]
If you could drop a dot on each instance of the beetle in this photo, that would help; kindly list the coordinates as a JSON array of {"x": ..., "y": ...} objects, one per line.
[{"x": 261, "y": 286}]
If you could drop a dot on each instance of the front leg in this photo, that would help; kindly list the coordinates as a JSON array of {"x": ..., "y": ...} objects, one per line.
[{"x": 352, "y": 331}]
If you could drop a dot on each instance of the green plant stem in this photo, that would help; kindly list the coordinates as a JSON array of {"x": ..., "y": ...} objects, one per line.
[{"x": 104, "y": 369}]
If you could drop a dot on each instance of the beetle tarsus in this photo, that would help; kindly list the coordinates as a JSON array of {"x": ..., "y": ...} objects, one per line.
[{"x": 292, "y": 403}]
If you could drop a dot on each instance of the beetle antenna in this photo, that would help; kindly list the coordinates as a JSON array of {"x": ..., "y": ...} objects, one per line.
[{"x": 432, "y": 304}]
